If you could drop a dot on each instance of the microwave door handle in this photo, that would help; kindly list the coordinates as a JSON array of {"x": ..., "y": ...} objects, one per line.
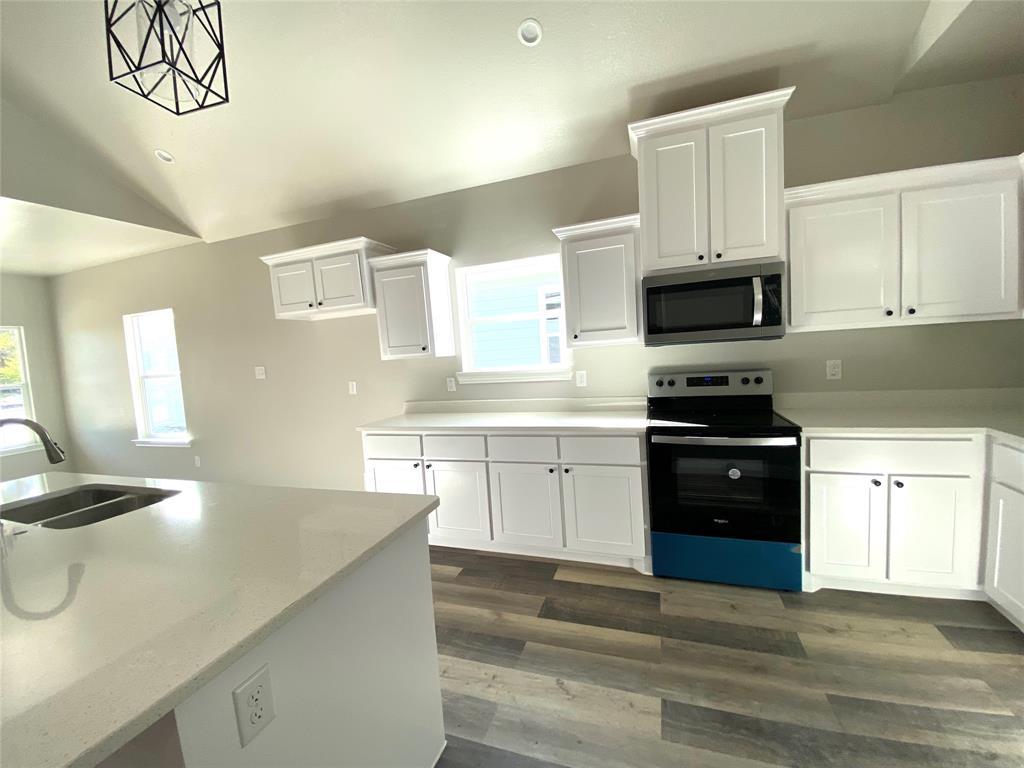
[
  {"x": 758, "y": 301},
  {"x": 761, "y": 442}
]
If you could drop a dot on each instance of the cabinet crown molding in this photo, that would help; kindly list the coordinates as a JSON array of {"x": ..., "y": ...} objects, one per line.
[
  {"x": 406, "y": 258},
  {"x": 913, "y": 178},
  {"x": 328, "y": 249},
  {"x": 711, "y": 113},
  {"x": 617, "y": 224}
]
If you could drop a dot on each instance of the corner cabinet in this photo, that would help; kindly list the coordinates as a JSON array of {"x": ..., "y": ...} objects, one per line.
[
  {"x": 930, "y": 245},
  {"x": 1004, "y": 563},
  {"x": 601, "y": 274},
  {"x": 324, "y": 281},
  {"x": 414, "y": 306},
  {"x": 711, "y": 182}
]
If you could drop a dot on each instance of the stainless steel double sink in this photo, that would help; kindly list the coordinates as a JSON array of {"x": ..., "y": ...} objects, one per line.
[{"x": 81, "y": 505}]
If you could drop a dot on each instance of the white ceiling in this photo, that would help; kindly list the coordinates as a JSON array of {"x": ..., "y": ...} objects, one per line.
[
  {"x": 42, "y": 240},
  {"x": 339, "y": 105}
]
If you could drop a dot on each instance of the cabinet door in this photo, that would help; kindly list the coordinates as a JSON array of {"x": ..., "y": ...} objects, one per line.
[
  {"x": 394, "y": 476},
  {"x": 292, "y": 285},
  {"x": 961, "y": 254},
  {"x": 462, "y": 488},
  {"x": 673, "y": 173},
  {"x": 339, "y": 281},
  {"x": 604, "y": 509},
  {"x": 935, "y": 531},
  {"x": 600, "y": 289},
  {"x": 1004, "y": 582},
  {"x": 845, "y": 262},
  {"x": 403, "y": 312},
  {"x": 848, "y": 526},
  {"x": 525, "y": 504},
  {"x": 745, "y": 188}
]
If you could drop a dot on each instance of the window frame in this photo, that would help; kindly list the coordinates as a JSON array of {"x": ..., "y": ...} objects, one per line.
[
  {"x": 32, "y": 443},
  {"x": 470, "y": 374},
  {"x": 143, "y": 427}
]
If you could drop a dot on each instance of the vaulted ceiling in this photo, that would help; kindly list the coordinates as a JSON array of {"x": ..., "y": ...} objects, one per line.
[{"x": 338, "y": 105}]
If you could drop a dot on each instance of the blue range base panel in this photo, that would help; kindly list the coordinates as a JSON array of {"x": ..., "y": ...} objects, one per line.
[{"x": 748, "y": 563}]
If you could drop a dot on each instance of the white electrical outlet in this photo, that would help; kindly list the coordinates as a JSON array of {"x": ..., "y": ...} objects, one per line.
[
  {"x": 254, "y": 704},
  {"x": 353, "y": 388},
  {"x": 450, "y": 383},
  {"x": 260, "y": 371},
  {"x": 833, "y": 369},
  {"x": 197, "y": 461},
  {"x": 581, "y": 378}
]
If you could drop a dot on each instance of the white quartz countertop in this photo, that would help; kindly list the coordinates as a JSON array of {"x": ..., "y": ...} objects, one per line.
[
  {"x": 109, "y": 626},
  {"x": 1006, "y": 421},
  {"x": 631, "y": 421}
]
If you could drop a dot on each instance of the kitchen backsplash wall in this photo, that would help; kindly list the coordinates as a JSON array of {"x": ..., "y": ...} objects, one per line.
[{"x": 297, "y": 427}]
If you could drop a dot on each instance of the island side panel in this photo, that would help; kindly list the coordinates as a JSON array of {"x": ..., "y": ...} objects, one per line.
[{"x": 354, "y": 677}]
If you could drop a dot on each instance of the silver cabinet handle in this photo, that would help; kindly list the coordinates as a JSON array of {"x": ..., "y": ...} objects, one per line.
[
  {"x": 727, "y": 441},
  {"x": 758, "y": 301}
]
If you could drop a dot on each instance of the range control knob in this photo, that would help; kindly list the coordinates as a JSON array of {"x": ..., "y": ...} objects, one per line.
[
  {"x": 759, "y": 380},
  {"x": 745, "y": 380},
  {"x": 671, "y": 382},
  {"x": 659, "y": 383}
]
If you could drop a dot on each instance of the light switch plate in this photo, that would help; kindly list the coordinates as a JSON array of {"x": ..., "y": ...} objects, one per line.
[
  {"x": 581, "y": 378},
  {"x": 260, "y": 371},
  {"x": 449, "y": 383},
  {"x": 833, "y": 369},
  {"x": 353, "y": 388},
  {"x": 254, "y": 704}
]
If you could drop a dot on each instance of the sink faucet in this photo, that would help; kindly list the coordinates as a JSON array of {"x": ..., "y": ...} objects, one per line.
[{"x": 54, "y": 453}]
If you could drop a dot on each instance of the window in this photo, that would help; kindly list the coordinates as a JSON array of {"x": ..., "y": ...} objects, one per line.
[
  {"x": 512, "y": 321},
  {"x": 156, "y": 378},
  {"x": 15, "y": 392}
]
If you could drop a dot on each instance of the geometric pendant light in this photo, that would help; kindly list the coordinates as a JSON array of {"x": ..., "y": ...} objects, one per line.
[{"x": 170, "y": 52}]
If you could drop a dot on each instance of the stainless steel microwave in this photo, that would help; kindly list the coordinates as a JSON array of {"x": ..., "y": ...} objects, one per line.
[{"x": 721, "y": 304}]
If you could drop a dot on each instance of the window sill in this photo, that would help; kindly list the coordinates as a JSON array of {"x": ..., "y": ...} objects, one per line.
[
  {"x": 152, "y": 442},
  {"x": 512, "y": 377},
  {"x": 14, "y": 450}
]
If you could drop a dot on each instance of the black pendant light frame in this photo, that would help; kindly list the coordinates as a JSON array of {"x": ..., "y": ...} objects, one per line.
[{"x": 191, "y": 89}]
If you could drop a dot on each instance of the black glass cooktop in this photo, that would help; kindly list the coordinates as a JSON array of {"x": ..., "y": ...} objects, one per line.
[{"x": 722, "y": 415}]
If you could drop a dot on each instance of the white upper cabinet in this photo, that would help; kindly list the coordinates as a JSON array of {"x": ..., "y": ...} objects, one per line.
[
  {"x": 711, "y": 183},
  {"x": 746, "y": 188},
  {"x": 844, "y": 262},
  {"x": 961, "y": 253},
  {"x": 599, "y": 270},
  {"x": 324, "y": 281},
  {"x": 414, "y": 309},
  {"x": 928, "y": 245}
]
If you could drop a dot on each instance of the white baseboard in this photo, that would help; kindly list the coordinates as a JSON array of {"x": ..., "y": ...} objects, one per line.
[
  {"x": 641, "y": 564},
  {"x": 1016, "y": 618},
  {"x": 814, "y": 583}
]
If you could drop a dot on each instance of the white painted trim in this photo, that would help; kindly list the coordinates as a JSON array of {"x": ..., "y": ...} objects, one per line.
[
  {"x": 904, "y": 322},
  {"x": 15, "y": 450},
  {"x": 155, "y": 443},
  {"x": 326, "y": 249},
  {"x": 726, "y": 110},
  {"x": 913, "y": 178},
  {"x": 603, "y": 226},
  {"x": 513, "y": 377},
  {"x": 812, "y": 583},
  {"x": 404, "y": 259}
]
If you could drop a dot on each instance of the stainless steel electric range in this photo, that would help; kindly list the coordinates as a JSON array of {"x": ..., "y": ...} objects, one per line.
[{"x": 724, "y": 480}]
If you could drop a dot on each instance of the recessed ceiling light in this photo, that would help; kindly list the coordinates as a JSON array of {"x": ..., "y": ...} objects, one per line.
[
  {"x": 530, "y": 32},
  {"x": 163, "y": 155}
]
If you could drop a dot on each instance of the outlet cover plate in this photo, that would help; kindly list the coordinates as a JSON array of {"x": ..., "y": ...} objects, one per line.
[
  {"x": 254, "y": 704},
  {"x": 833, "y": 369}
]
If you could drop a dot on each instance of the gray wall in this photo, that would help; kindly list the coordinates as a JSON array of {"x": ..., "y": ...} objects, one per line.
[
  {"x": 26, "y": 301},
  {"x": 298, "y": 426}
]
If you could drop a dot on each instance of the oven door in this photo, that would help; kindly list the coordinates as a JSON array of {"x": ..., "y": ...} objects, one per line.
[
  {"x": 729, "y": 487},
  {"x": 714, "y": 305}
]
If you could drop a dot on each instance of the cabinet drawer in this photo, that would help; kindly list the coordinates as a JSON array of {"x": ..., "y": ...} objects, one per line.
[
  {"x": 454, "y": 447},
  {"x": 601, "y": 450},
  {"x": 933, "y": 457},
  {"x": 392, "y": 446},
  {"x": 507, "y": 448},
  {"x": 1008, "y": 465}
]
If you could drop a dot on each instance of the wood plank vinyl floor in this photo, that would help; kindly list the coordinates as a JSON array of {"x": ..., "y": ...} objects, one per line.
[{"x": 545, "y": 664}]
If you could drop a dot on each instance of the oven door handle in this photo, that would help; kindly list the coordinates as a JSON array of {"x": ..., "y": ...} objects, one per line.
[
  {"x": 758, "y": 301},
  {"x": 761, "y": 442}
]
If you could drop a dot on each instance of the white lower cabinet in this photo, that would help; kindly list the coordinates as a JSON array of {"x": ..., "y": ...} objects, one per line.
[
  {"x": 1004, "y": 580},
  {"x": 604, "y": 509},
  {"x": 394, "y": 476},
  {"x": 462, "y": 487},
  {"x": 935, "y": 531},
  {"x": 848, "y": 525},
  {"x": 525, "y": 504}
]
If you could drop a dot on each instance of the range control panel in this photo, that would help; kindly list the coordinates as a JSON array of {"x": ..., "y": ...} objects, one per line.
[{"x": 703, "y": 383}]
